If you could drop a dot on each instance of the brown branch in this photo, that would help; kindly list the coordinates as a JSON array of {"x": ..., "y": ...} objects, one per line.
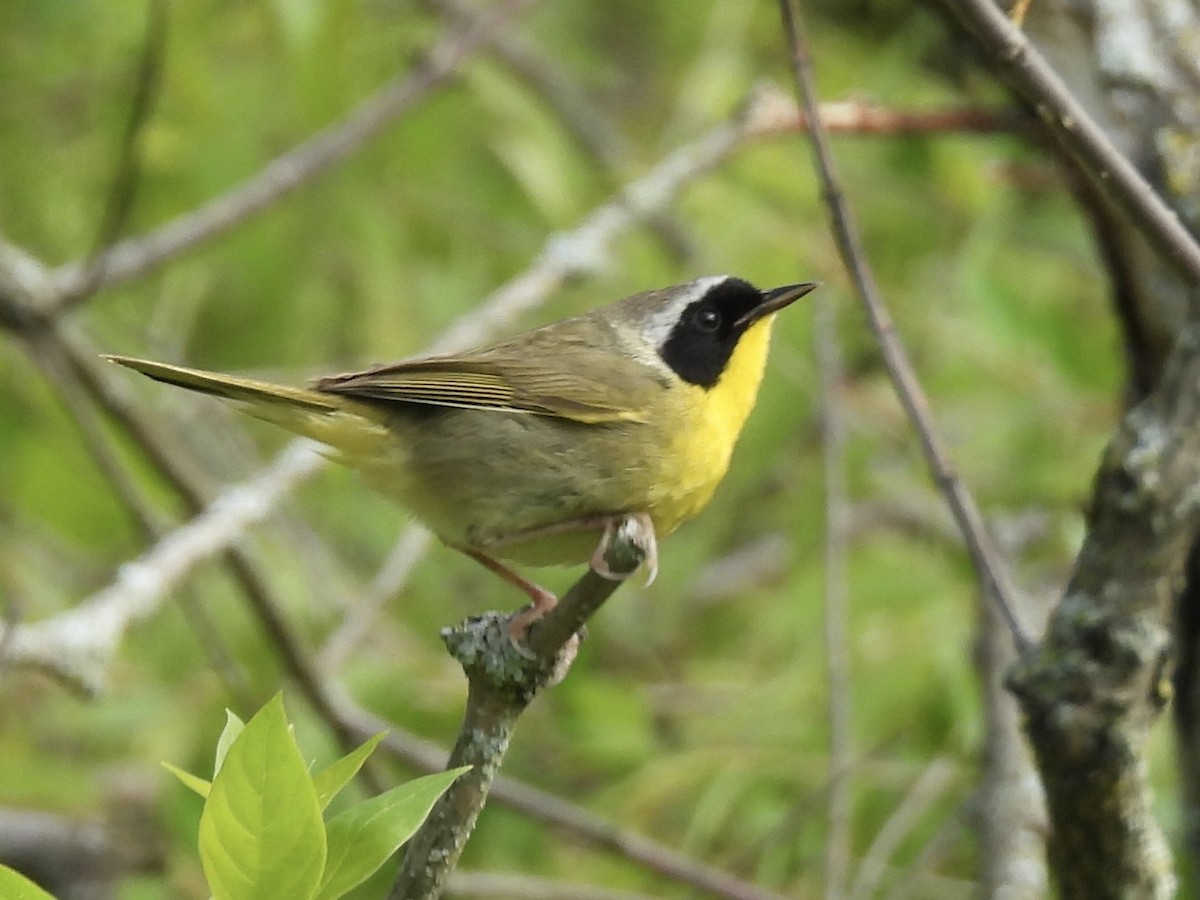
[
  {"x": 853, "y": 117},
  {"x": 1095, "y": 684},
  {"x": 988, "y": 563},
  {"x": 502, "y": 682},
  {"x": 137, "y": 256}
]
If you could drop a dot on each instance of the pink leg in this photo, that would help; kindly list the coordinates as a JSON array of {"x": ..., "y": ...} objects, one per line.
[{"x": 542, "y": 600}]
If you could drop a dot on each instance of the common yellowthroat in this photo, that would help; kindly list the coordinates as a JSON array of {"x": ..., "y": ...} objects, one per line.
[{"x": 529, "y": 450}]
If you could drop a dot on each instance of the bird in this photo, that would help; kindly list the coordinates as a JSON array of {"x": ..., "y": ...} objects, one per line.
[{"x": 529, "y": 451}]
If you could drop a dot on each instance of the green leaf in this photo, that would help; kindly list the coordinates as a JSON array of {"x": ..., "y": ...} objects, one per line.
[
  {"x": 15, "y": 886},
  {"x": 261, "y": 834},
  {"x": 195, "y": 782},
  {"x": 233, "y": 727},
  {"x": 337, "y": 775},
  {"x": 363, "y": 837}
]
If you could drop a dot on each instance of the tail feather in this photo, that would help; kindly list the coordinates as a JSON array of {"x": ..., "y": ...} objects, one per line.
[
  {"x": 231, "y": 387},
  {"x": 357, "y": 430}
]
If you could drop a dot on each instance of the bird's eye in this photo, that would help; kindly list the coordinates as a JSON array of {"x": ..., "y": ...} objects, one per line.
[{"x": 708, "y": 319}]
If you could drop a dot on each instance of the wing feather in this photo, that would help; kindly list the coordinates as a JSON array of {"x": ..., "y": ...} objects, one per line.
[{"x": 578, "y": 385}]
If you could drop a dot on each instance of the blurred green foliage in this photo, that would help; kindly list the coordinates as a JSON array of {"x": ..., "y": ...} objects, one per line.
[{"x": 698, "y": 717}]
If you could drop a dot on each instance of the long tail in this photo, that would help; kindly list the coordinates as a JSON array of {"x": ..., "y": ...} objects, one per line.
[{"x": 333, "y": 420}]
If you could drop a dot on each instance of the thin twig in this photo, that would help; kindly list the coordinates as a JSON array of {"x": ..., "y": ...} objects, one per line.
[
  {"x": 137, "y": 256},
  {"x": 588, "y": 123},
  {"x": 925, "y": 791},
  {"x": 124, "y": 183},
  {"x": 502, "y": 682},
  {"x": 988, "y": 563},
  {"x": 837, "y": 663},
  {"x": 387, "y": 583},
  {"x": 940, "y": 844},
  {"x": 1079, "y": 134}
]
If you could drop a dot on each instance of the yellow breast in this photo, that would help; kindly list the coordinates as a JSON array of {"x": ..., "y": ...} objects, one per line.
[{"x": 706, "y": 428}]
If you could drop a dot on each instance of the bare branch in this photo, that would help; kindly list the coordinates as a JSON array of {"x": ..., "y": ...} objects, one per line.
[{"x": 989, "y": 565}]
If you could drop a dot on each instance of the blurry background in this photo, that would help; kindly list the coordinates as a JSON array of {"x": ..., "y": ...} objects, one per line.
[{"x": 697, "y": 713}]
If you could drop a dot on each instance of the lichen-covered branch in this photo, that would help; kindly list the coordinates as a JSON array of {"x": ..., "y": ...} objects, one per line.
[
  {"x": 502, "y": 681},
  {"x": 1093, "y": 687}
]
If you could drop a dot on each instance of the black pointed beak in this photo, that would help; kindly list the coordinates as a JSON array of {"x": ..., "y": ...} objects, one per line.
[{"x": 776, "y": 299}]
